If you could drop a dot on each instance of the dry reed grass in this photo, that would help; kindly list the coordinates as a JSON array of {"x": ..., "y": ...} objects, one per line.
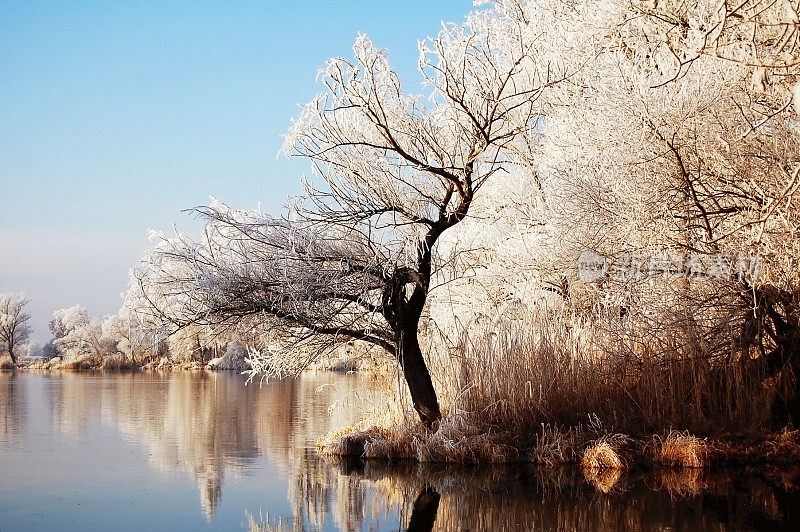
[
  {"x": 82, "y": 362},
  {"x": 351, "y": 441},
  {"x": 6, "y": 362},
  {"x": 681, "y": 450},
  {"x": 118, "y": 362},
  {"x": 600, "y": 456},
  {"x": 785, "y": 444},
  {"x": 458, "y": 440},
  {"x": 553, "y": 447},
  {"x": 555, "y": 367},
  {"x": 545, "y": 387}
]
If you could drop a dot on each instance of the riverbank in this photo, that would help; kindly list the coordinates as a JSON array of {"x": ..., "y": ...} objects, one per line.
[
  {"x": 455, "y": 440},
  {"x": 345, "y": 360},
  {"x": 555, "y": 389},
  {"x": 109, "y": 363},
  {"x": 113, "y": 363}
]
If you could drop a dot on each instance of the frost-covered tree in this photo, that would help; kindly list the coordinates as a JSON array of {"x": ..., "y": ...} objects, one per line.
[
  {"x": 355, "y": 256},
  {"x": 123, "y": 335},
  {"x": 114, "y": 341},
  {"x": 76, "y": 337},
  {"x": 14, "y": 327},
  {"x": 681, "y": 137},
  {"x": 194, "y": 343}
]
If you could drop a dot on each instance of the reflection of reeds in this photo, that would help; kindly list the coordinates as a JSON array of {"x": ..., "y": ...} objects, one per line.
[
  {"x": 603, "y": 480},
  {"x": 265, "y": 524},
  {"x": 512, "y": 497},
  {"x": 681, "y": 482}
]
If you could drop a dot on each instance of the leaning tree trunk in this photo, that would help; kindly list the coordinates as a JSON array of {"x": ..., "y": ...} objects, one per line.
[
  {"x": 415, "y": 371},
  {"x": 404, "y": 314}
]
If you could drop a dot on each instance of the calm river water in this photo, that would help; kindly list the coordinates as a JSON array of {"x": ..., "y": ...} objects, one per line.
[{"x": 183, "y": 451}]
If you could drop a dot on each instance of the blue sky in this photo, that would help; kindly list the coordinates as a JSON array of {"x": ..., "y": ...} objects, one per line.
[{"x": 115, "y": 116}]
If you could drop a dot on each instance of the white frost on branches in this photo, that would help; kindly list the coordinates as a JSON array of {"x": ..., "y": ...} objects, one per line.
[{"x": 545, "y": 128}]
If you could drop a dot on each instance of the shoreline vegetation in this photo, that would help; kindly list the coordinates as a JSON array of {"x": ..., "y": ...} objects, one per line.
[
  {"x": 597, "y": 454},
  {"x": 548, "y": 390},
  {"x": 164, "y": 363}
]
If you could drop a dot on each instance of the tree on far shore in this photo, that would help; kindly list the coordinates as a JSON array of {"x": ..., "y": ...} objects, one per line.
[{"x": 14, "y": 327}]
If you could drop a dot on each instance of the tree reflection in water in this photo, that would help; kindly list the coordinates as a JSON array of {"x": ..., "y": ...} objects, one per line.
[
  {"x": 212, "y": 427},
  {"x": 12, "y": 408},
  {"x": 205, "y": 424},
  {"x": 449, "y": 497}
]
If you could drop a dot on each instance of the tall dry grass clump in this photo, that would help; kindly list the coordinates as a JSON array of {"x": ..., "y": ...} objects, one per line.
[
  {"x": 559, "y": 367},
  {"x": 682, "y": 450},
  {"x": 783, "y": 446},
  {"x": 553, "y": 446},
  {"x": 601, "y": 456},
  {"x": 544, "y": 387},
  {"x": 458, "y": 439}
]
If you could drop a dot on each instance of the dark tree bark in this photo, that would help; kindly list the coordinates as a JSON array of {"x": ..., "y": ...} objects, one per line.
[
  {"x": 403, "y": 315},
  {"x": 415, "y": 371},
  {"x": 775, "y": 332}
]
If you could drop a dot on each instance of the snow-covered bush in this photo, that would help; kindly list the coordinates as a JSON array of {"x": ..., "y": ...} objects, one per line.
[{"x": 233, "y": 359}]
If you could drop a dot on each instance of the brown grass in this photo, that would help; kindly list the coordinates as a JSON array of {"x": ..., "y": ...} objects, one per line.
[
  {"x": 681, "y": 450},
  {"x": 349, "y": 441},
  {"x": 83, "y": 362},
  {"x": 548, "y": 387},
  {"x": 784, "y": 445},
  {"x": 600, "y": 456},
  {"x": 118, "y": 362},
  {"x": 560, "y": 369},
  {"x": 553, "y": 446},
  {"x": 6, "y": 362},
  {"x": 457, "y": 440},
  {"x": 558, "y": 387}
]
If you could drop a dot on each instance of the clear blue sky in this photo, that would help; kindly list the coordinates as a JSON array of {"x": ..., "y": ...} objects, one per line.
[{"x": 115, "y": 116}]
